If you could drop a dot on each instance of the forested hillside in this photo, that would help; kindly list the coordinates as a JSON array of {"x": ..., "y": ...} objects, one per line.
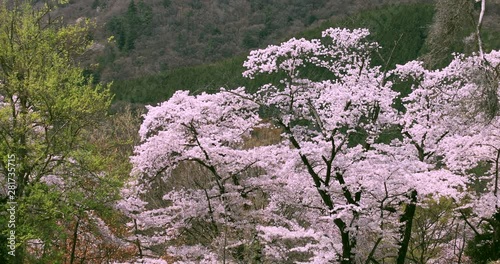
[
  {"x": 188, "y": 131},
  {"x": 400, "y": 29},
  {"x": 156, "y": 35}
]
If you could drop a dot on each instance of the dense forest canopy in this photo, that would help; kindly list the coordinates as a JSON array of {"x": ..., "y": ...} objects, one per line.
[
  {"x": 157, "y": 35},
  {"x": 367, "y": 138}
]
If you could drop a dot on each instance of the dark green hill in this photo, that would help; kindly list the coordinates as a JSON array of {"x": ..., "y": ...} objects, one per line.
[
  {"x": 402, "y": 28},
  {"x": 151, "y": 36}
]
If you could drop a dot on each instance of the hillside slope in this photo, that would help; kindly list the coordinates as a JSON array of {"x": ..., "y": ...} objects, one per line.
[
  {"x": 405, "y": 24},
  {"x": 156, "y": 35}
]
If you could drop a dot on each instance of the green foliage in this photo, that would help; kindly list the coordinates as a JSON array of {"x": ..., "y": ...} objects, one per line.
[
  {"x": 452, "y": 30},
  {"x": 131, "y": 25},
  {"x": 406, "y": 23},
  {"x": 166, "y": 3},
  {"x": 433, "y": 226},
  {"x": 401, "y": 30},
  {"x": 196, "y": 4},
  {"x": 98, "y": 3},
  {"x": 203, "y": 78},
  {"x": 485, "y": 246},
  {"x": 250, "y": 40},
  {"x": 44, "y": 210},
  {"x": 46, "y": 104}
]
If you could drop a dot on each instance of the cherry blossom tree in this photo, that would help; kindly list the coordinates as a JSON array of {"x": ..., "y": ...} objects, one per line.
[
  {"x": 347, "y": 177},
  {"x": 468, "y": 135},
  {"x": 206, "y": 131},
  {"x": 336, "y": 128}
]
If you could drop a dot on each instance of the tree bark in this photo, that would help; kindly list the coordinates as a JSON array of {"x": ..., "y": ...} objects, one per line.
[
  {"x": 75, "y": 238},
  {"x": 407, "y": 217},
  {"x": 137, "y": 241},
  {"x": 347, "y": 244}
]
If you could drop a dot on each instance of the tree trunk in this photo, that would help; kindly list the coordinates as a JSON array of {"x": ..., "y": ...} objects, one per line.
[
  {"x": 75, "y": 238},
  {"x": 347, "y": 245},
  {"x": 137, "y": 241},
  {"x": 407, "y": 217}
]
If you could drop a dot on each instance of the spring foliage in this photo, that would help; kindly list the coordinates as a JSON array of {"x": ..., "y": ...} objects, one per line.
[
  {"x": 342, "y": 184},
  {"x": 61, "y": 182}
]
